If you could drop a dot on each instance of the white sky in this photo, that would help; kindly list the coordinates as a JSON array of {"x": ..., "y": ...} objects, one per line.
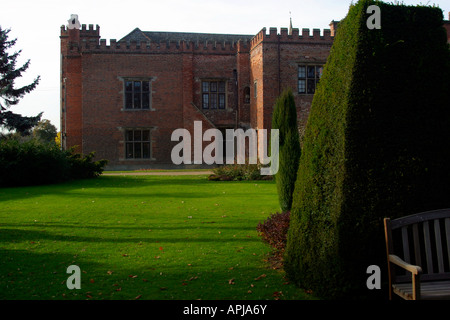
[{"x": 36, "y": 25}]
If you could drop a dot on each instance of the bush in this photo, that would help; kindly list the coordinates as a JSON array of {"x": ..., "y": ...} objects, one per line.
[
  {"x": 82, "y": 167},
  {"x": 377, "y": 144},
  {"x": 32, "y": 163},
  {"x": 237, "y": 172},
  {"x": 285, "y": 120},
  {"x": 274, "y": 230}
]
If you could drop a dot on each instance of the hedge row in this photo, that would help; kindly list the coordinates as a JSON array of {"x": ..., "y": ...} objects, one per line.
[{"x": 32, "y": 163}]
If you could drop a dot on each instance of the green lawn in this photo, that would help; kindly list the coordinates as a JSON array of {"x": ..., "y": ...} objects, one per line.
[{"x": 145, "y": 237}]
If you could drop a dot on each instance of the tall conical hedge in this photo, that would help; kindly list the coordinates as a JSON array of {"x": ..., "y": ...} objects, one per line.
[
  {"x": 284, "y": 119},
  {"x": 377, "y": 144}
]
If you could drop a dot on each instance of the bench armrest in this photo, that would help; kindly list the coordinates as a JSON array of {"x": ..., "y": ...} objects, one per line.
[{"x": 415, "y": 270}]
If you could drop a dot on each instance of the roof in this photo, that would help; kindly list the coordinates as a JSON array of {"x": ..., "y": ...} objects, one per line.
[{"x": 162, "y": 36}]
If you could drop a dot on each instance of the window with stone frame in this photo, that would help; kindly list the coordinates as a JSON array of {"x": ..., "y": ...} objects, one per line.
[
  {"x": 137, "y": 94},
  {"x": 214, "y": 94},
  {"x": 137, "y": 144},
  {"x": 308, "y": 78}
]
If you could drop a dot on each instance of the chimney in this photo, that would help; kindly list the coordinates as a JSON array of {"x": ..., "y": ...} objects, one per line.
[
  {"x": 74, "y": 29},
  {"x": 333, "y": 27},
  {"x": 290, "y": 27}
]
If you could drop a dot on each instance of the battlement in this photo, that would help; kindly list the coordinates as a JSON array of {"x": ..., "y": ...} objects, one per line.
[
  {"x": 93, "y": 45},
  {"x": 84, "y": 32},
  {"x": 283, "y": 36}
]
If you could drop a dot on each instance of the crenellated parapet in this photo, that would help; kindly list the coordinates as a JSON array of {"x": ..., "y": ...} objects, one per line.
[
  {"x": 89, "y": 32},
  {"x": 87, "y": 40},
  {"x": 207, "y": 47},
  {"x": 283, "y": 36}
]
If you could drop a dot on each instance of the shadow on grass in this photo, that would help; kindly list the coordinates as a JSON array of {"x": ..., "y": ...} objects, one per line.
[
  {"x": 180, "y": 187},
  {"x": 154, "y": 183},
  {"x": 27, "y": 275},
  {"x": 17, "y": 235}
]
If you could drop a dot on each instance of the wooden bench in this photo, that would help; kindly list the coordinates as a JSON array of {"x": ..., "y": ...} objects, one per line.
[{"x": 420, "y": 245}]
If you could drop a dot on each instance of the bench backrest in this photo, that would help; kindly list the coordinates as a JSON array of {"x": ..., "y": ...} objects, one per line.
[{"x": 422, "y": 239}]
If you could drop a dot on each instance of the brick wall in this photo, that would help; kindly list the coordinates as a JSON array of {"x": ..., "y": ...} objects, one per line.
[
  {"x": 274, "y": 60},
  {"x": 95, "y": 118}
]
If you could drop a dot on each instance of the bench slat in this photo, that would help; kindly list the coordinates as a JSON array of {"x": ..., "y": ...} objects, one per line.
[
  {"x": 437, "y": 236},
  {"x": 447, "y": 232},
  {"x": 405, "y": 242},
  {"x": 416, "y": 244},
  {"x": 428, "y": 290},
  {"x": 426, "y": 234}
]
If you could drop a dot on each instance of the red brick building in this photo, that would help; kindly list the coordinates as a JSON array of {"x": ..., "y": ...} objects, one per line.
[{"x": 124, "y": 100}]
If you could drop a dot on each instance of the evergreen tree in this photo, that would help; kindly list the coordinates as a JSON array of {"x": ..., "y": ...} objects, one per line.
[
  {"x": 9, "y": 95},
  {"x": 284, "y": 119}
]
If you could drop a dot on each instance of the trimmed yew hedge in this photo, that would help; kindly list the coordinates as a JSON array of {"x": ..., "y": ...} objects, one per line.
[
  {"x": 284, "y": 119},
  {"x": 377, "y": 144}
]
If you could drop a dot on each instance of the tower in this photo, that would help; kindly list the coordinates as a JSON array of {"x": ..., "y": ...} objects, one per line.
[{"x": 72, "y": 38}]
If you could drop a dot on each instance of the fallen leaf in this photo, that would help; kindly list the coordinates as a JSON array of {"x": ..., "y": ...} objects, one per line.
[
  {"x": 138, "y": 297},
  {"x": 109, "y": 272},
  {"x": 119, "y": 289},
  {"x": 161, "y": 248},
  {"x": 91, "y": 281},
  {"x": 132, "y": 276},
  {"x": 260, "y": 277},
  {"x": 277, "y": 294},
  {"x": 231, "y": 281}
]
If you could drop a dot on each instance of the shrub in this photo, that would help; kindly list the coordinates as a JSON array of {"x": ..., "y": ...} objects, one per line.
[
  {"x": 285, "y": 120},
  {"x": 237, "y": 172},
  {"x": 82, "y": 167},
  {"x": 32, "y": 163},
  {"x": 274, "y": 230},
  {"x": 377, "y": 144}
]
